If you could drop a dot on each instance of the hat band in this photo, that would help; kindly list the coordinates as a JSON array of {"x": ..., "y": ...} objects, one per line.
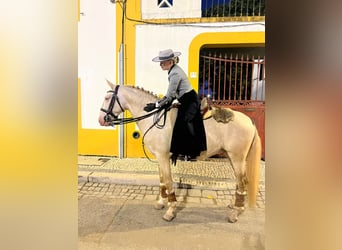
[{"x": 166, "y": 57}]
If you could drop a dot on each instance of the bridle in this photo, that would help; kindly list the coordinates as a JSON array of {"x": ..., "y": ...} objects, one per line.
[
  {"x": 158, "y": 113},
  {"x": 109, "y": 112},
  {"x": 113, "y": 119}
]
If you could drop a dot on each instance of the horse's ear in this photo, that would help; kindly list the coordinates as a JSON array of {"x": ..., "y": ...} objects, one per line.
[{"x": 111, "y": 85}]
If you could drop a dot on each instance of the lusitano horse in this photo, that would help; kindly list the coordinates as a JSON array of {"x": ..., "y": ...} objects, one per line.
[{"x": 238, "y": 140}]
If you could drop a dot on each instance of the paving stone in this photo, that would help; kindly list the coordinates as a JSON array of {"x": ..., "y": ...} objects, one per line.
[
  {"x": 180, "y": 198},
  {"x": 150, "y": 197},
  {"x": 195, "y": 192},
  {"x": 220, "y": 192},
  {"x": 209, "y": 194},
  {"x": 207, "y": 201},
  {"x": 139, "y": 197},
  {"x": 181, "y": 191},
  {"x": 116, "y": 191},
  {"x": 193, "y": 199}
]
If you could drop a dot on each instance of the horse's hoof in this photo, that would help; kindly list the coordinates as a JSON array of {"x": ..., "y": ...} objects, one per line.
[
  {"x": 232, "y": 216},
  {"x": 159, "y": 206},
  {"x": 233, "y": 213},
  {"x": 169, "y": 217}
]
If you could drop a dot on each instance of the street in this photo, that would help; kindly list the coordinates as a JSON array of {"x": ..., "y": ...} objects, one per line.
[{"x": 113, "y": 216}]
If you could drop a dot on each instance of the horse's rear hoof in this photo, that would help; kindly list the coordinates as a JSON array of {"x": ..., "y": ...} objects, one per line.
[
  {"x": 232, "y": 218},
  {"x": 169, "y": 217},
  {"x": 233, "y": 213}
]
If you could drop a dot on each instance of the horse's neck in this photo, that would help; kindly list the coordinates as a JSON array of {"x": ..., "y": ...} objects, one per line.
[{"x": 135, "y": 102}]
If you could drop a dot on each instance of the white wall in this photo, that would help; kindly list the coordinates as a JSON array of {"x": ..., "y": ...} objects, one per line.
[
  {"x": 150, "y": 39},
  {"x": 96, "y": 57},
  {"x": 179, "y": 9}
]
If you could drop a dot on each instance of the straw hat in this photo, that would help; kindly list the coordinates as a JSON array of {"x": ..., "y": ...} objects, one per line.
[{"x": 165, "y": 55}]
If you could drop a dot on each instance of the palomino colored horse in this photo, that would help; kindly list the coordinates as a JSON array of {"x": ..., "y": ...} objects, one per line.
[{"x": 238, "y": 139}]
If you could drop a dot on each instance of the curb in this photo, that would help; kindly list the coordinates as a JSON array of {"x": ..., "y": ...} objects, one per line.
[
  {"x": 151, "y": 180},
  {"x": 118, "y": 178}
]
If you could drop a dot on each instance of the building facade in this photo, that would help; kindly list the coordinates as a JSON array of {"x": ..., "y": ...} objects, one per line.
[{"x": 118, "y": 39}]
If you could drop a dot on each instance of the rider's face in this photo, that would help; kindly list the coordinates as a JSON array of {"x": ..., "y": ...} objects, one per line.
[{"x": 166, "y": 65}]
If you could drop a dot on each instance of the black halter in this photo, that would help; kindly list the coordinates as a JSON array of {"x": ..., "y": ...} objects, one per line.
[{"x": 109, "y": 112}]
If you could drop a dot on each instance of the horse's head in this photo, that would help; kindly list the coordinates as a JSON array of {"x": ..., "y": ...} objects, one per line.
[{"x": 111, "y": 107}]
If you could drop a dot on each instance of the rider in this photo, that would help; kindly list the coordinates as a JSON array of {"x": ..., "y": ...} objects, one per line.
[{"x": 188, "y": 137}]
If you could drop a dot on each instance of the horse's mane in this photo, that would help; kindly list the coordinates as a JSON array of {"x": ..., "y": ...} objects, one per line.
[{"x": 150, "y": 93}]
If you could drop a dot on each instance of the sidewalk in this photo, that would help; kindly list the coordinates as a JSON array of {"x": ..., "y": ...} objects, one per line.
[{"x": 207, "y": 182}]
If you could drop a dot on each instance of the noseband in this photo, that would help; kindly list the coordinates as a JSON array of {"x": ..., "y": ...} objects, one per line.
[{"x": 110, "y": 116}]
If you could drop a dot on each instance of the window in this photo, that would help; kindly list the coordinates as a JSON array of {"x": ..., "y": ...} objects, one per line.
[{"x": 165, "y": 3}]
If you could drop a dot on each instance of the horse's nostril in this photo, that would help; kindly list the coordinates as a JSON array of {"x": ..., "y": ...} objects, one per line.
[{"x": 106, "y": 118}]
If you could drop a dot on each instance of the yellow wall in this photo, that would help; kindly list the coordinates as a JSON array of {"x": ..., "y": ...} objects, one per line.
[{"x": 93, "y": 141}]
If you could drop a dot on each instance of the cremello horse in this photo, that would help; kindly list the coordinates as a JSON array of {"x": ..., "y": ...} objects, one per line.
[{"x": 238, "y": 139}]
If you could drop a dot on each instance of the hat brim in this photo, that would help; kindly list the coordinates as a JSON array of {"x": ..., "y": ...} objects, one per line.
[{"x": 158, "y": 59}]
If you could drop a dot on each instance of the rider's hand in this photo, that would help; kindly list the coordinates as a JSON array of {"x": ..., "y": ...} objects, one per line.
[{"x": 149, "y": 107}]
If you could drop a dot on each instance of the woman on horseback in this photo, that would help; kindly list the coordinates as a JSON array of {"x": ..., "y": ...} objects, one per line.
[{"x": 188, "y": 138}]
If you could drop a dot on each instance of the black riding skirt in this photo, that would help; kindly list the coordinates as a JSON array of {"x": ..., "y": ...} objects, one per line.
[{"x": 188, "y": 137}]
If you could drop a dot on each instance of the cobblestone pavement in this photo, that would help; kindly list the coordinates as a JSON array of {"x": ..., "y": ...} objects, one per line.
[{"x": 151, "y": 193}]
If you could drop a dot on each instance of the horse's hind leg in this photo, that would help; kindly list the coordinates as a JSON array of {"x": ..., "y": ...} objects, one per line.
[{"x": 240, "y": 193}]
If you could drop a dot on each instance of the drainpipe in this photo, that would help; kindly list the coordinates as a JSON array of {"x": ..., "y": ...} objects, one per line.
[{"x": 121, "y": 71}]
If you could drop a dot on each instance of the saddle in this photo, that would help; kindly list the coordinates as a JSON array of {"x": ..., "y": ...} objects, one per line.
[{"x": 220, "y": 114}]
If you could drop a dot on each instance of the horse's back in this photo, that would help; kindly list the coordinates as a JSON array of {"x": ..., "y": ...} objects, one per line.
[{"x": 234, "y": 136}]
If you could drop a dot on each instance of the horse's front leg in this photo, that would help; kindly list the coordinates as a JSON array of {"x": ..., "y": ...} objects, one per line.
[
  {"x": 162, "y": 202},
  {"x": 167, "y": 193}
]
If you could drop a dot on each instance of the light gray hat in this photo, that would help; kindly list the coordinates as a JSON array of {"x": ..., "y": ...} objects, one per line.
[{"x": 165, "y": 55}]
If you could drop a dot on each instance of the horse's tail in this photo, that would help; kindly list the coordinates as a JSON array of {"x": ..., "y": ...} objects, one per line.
[{"x": 253, "y": 169}]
